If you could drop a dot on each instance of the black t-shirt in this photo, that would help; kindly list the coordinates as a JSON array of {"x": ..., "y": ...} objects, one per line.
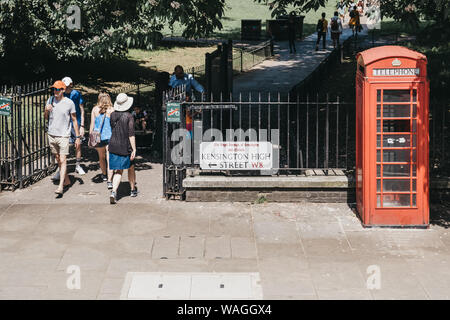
[{"x": 122, "y": 126}]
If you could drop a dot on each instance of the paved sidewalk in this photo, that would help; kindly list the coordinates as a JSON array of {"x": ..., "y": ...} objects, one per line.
[
  {"x": 286, "y": 70},
  {"x": 301, "y": 251}
]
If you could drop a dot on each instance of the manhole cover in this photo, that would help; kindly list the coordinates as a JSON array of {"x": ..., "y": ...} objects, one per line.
[{"x": 192, "y": 286}]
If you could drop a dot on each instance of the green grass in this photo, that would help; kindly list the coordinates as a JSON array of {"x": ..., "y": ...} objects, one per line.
[{"x": 248, "y": 9}]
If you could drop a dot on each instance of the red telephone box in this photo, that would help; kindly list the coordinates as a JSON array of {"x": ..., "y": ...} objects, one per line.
[{"x": 392, "y": 137}]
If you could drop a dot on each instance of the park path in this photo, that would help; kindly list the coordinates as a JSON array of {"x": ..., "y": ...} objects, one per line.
[{"x": 286, "y": 70}]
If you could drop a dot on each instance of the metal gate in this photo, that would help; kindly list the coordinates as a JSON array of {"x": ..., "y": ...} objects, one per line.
[
  {"x": 306, "y": 134},
  {"x": 24, "y": 151}
]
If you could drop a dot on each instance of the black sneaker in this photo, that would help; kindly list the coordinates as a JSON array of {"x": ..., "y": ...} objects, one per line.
[
  {"x": 112, "y": 198},
  {"x": 104, "y": 178},
  {"x": 134, "y": 193}
]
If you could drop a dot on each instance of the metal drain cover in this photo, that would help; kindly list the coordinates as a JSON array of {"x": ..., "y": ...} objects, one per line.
[
  {"x": 89, "y": 193},
  {"x": 195, "y": 286}
]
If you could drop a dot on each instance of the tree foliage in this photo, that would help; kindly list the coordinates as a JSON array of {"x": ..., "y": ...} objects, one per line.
[
  {"x": 33, "y": 28},
  {"x": 407, "y": 11}
]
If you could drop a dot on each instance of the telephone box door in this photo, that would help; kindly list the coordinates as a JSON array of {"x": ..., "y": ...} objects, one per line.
[{"x": 400, "y": 155}]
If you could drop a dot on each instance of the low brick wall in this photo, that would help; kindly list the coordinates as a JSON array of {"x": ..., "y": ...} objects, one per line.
[
  {"x": 245, "y": 195},
  {"x": 317, "y": 189}
]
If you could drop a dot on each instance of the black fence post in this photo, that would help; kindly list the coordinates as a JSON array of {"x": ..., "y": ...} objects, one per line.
[{"x": 161, "y": 85}]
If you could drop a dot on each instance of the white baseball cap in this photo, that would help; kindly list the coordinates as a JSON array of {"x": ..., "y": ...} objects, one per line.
[{"x": 67, "y": 81}]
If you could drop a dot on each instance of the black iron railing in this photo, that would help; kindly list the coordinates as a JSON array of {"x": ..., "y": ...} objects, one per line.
[{"x": 24, "y": 151}]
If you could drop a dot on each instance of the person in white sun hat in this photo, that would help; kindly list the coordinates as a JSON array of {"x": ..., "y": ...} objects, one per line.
[
  {"x": 122, "y": 145},
  {"x": 78, "y": 100}
]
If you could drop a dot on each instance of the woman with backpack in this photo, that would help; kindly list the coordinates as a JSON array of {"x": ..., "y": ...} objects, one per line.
[
  {"x": 100, "y": 123},
  {"x": 336, "y": 29}
]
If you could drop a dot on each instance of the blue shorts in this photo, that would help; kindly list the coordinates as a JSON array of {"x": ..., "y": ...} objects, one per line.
[{"x": 117, "y": 162}]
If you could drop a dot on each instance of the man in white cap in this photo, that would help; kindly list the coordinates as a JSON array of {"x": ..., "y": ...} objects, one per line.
[
  {"x": 122, "y": 145},
  {"x": 78, "y": 100}
]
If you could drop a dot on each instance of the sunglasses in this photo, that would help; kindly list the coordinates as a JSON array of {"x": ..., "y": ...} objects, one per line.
[{"x": 57, "y": 89}]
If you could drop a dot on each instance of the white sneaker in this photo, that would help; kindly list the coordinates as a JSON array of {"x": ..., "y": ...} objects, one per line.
[
  {"x": 80, "y": 170},
  {"x": 56, "y": 177}
]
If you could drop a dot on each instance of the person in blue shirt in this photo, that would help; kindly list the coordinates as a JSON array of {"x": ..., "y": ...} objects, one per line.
[
  {"x": 77, "y": 98},
  {"x": 180, "y": 78}
]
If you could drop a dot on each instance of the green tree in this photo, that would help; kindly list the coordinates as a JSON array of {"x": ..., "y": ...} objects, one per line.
[
  {"x": 407, "y": 11},
  {"x": 32, "y": 29}
]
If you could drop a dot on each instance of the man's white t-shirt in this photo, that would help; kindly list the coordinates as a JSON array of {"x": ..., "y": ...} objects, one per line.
[{"x": 59, "y": 118}]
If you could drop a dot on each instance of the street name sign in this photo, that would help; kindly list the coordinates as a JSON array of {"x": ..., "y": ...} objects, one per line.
[{"x": 238, "y": 155}]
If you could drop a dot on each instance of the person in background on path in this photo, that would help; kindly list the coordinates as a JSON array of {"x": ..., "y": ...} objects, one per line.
[
  {"x": 140, "y": 118},
  {"x": 59, "y": 111},
  {"x": 354, "y": 22},
  {"x": 100, "y": 122},
  {"x": 341, "y": 9},
  {"x": 78, "y": 100},
  {"x": 360, "y": 7},
  {"x": 179, "y": 78},
  {"x": 291, "y": 32},
  {"x": 122, "y": 145},
  {"x": 336, "y": 29},
  {"x": 322, "y": 28}
]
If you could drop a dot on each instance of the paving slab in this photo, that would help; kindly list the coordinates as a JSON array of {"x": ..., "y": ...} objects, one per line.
[
  {"x": 166, "y": 247},
  {"x": 192, "y": 247},
  {"x": 118, "y": 267},
  {"x": 218, "y": 247},
  {"x": 279, "y": 250},
  {"x": 244, "y": 248},
  {"x": 89, "y": 258}
]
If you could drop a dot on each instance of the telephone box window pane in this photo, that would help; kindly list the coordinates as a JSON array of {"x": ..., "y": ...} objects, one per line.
[
  {"x": 414, "y": 170},
  {"x": 378, "y": 125},
  {"x": 414, "y": 156},
  {"x": 378, "y": 155},
  {"x": 379, "y": 111},
  {"x": 396, "y": 111},
  {"x": 378, "y": 95},
  {"x": 378, "y": 185},
  {"x": 396, "y": 126},
  {"x": 378, "y": 171},
  {"x": 396, "y": 155},
  {"x": 415, "y": 111},
  {"x": 414, "y": 186},
  {"x": 396, "y": 170},
  {"x": 414, "y": 128},
  {"x": 414, "y": 200},
  {"x": 396, "y": 96},
  {"x": 378, "y": 201},
  {"x": 396, "y": 200},
  {"x": 378, "y": 141},
  {"x": 414, "y": 95},
  {"x": 414, "y": 140},
  {"x": 397, "y": 141},
  {"x": 395, "y": 185}
]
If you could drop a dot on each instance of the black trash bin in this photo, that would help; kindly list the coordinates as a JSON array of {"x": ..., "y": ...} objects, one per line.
[
  {"x": 278, "y": 28},
  {"x": 251, "y": 29}
]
